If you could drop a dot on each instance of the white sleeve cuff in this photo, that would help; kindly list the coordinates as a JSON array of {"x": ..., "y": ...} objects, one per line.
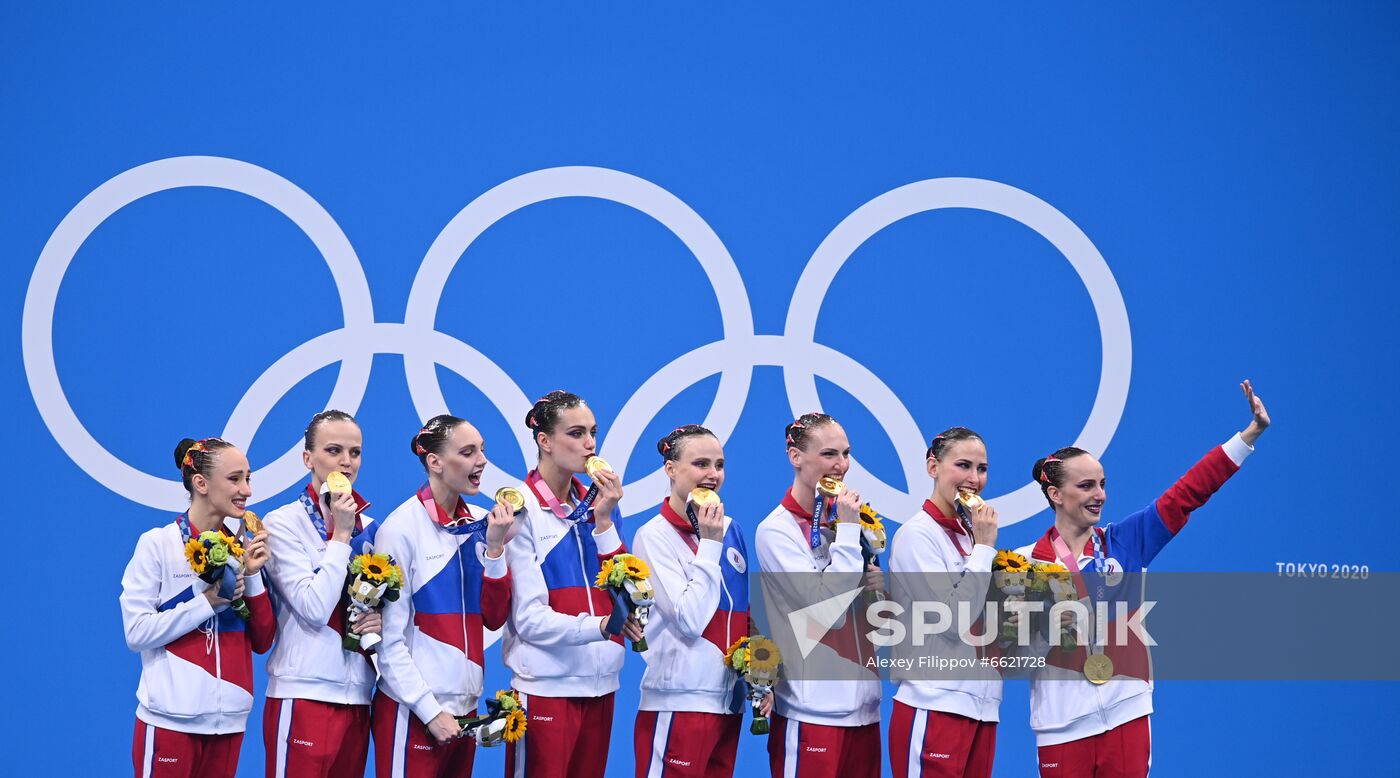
[
  {"x": 608, "y": 541},
  {"x": 848, "y": 533},
  {"x": 337, "y": 554},
  {"x": 981, "y": 558},
  {"x": 494, "y": 568},
  {"x": 708, "y": 551},
  {"x": 1237, "y": 450},
  {"x": 253, "y": 585},
  {"x": 427, "y": 708}
]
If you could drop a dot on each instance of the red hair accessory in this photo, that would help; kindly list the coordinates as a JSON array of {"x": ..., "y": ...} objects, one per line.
[
  {"x": 530, "y": 420},
  {"x": 418, "y": 447},
  {"x": 188, "y": 464},
  {"x": 1045, "y": 476},
  {"x": 198, "y": 445}
]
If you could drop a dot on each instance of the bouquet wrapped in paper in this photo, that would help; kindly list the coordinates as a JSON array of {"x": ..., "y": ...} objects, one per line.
[
  {"x": 504, "y": 721},
  {"x": 217, "y": 559},
  {"x": 1010, "y": 575},
  {"x": 626, "y": 579},
  {"x": 756, "y": 659},
  {"x": 1052, "y": 582},
  {"x": 374, "y": 579}
]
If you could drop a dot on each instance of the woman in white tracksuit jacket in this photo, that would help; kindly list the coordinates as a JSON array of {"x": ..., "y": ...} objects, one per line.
[
  {"x": 829, "y": 724},
  {"x": 1088, "y": 730},
  {"x": 944, "y": 723},
  {"x": 196, "y": 686},
  {"x": 316, "y": 716},
  {"x": 563, "y": 661},
  {"x": 692, "y": 701}
]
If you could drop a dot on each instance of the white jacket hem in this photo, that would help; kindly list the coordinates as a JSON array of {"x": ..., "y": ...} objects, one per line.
[{"x": 1096, "y": 723}]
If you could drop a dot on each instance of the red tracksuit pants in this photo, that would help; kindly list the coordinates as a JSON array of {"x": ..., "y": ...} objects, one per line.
[
  {"x": 1122, "y": 752},
  {"x": 165, "y": 753},
  {"x": 686, "y": 744},
  {"x": 801, "y": 750},
  {"x": 565, "y": 737},
  {"x": 934, "y": 744},
  {"x": 314, "y": 739},
  {"x": 404, "y": 749}
]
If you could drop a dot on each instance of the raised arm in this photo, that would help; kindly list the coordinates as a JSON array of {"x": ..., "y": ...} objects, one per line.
[
  {"x": 1144, "y": 533},
  {"x": 262, "y": 622},
  {"x": 309, "y": 585},
  {"x": 495, "y": 574}
]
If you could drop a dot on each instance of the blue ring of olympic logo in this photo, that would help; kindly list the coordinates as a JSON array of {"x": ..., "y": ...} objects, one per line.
[{"x": 354, "y": 345}]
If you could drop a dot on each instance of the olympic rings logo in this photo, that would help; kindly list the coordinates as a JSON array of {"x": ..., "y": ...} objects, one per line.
[{"x": 423, "y": 347}]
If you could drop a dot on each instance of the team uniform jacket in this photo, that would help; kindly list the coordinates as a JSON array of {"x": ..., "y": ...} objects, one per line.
[
  {"x": 307, "y": 573},
  {"x": 927, "y": 564},
  {"x": 431, "y": 655},
  {"x": 1064, "y": 705},
  {"x": 553, "y": 644},
  {"x": 702, "y": 607},
  {"x": 196, "y": 665},
  {"x": 814, "y": 574}
]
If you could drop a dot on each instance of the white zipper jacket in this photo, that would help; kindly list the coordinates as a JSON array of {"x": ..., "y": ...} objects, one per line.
[
  {"x": 927, "y": 565},
  {"x": 432, "y": 655},
  {"x": 794, "y": 572},
  {"x": 196, "y": 665},
  {"x": 702, "y": 608},
  {"x": 553, "y": 643},
  {"x": 307, "y": 573},
  {"x": 1065, "y": 706}
]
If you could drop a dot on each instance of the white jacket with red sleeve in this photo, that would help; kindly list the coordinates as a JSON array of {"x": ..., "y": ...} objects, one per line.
[
  {"x": 432, "y": 653},
  {"x": 1065, "y": 706},
  {"x": 553, "y": 642},
  {"x": 196, "y": 664}
]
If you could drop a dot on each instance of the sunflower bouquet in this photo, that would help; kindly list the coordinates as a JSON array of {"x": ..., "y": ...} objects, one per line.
[
  {"x": 1010, "y": 575},
  {"x": 756, "y": 659},
  {"x": 504, "y": 721},
  {"x": 1052, "y": 582},
  {"x": 626, "y": 579},
  {"x": 373, "y": 580},
  {"x": 217, "y": 559}
]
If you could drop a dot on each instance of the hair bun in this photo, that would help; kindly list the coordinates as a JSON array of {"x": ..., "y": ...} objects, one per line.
[{"x": 181, "y": 449}]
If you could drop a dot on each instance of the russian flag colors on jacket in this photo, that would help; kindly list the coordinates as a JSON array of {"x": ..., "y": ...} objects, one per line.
[
  {"x": 196, "y": 665},
  {"x": 702, "y": 607},
  {"x": 553, "y": 643},
  {"x": 1064, "y": 705},
  {"x": 809, "y": 575},
  {"x": 307, "y": 572},
  {"x": 432, "y": 655}
]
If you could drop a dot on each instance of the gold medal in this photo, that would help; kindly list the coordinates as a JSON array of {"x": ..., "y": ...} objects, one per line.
[
  {"x": 702, "y": 496},
  {"x": 1098, "y": 669},
  {"x": 337, "y": 483},
  {"x": 830, "y": 486},
  {"x": 252, "y": 525},
  {"x": 512, "y": 498},
  {"x": 970, "y": 500},
  {"x": 595, "y": 465}
]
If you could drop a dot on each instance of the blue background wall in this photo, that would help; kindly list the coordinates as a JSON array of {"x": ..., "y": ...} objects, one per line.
[{"x": 1236, "y": 167}]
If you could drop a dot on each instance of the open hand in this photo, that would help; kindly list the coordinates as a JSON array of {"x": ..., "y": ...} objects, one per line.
[{"x": 1260, "y": 422}]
